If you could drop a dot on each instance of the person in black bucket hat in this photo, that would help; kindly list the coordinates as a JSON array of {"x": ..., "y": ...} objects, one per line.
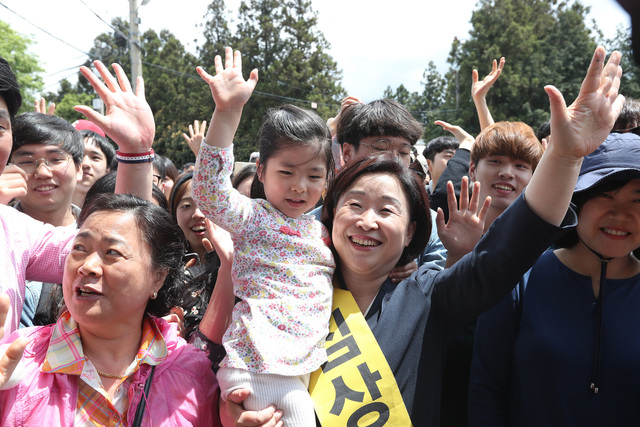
[{"x": 564, "y": 349}]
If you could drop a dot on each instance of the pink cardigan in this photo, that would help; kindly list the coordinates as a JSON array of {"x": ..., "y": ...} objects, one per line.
[{"x": 183, "y": 392}]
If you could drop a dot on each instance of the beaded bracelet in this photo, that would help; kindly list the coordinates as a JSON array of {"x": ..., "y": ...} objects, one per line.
[{"x": 135, "y": 157}]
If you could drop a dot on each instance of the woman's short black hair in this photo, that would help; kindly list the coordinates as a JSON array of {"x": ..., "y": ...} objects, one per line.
[
  {"x": 163, "y": 237},
  {"x": 414, "y": 191}
]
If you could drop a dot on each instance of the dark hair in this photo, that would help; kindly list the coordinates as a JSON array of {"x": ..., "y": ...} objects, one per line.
[
  {"x": 544, "y": 130},
  {"x": 383, "y": 117},
  {"x": 170, "y": 169},
  {"x": 187, "y": 166},
  {"x": 512, "y": 139},
  {"x": 163, "y": 237},
  {"x": 177, "y": 193},
  {"x": 243, "y": 174},
  {"x": 9, "y": 88},
  {"x": 570, "y": 237},
  {"x": 107, "y": 184},
  {"x": 103, "y": 144},
  {"x": 413, "y": 188},
  {"x": 438, "y": 145},
  {"x": 289, "y": 127},
  {"x": 44, "y": 129},
  {"x": 629, "y": 117}
]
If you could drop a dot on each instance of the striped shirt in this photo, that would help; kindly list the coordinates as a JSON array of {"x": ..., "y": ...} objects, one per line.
[{"x": 94, "y": 407}]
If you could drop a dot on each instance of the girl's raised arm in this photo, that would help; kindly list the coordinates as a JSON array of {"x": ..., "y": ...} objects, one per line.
[{"x": 230, "y": 92}]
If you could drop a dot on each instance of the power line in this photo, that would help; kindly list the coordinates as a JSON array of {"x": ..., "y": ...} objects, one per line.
[
  {"x": 43, "y": 30},
  {"x": 98, "y": 16}
]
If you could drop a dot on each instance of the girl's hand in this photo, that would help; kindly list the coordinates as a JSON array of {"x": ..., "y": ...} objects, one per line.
[
  {"x": 233, "y": 414},
  {"x": 229, "y": 89},
  {"x": 466, "y": 224}
]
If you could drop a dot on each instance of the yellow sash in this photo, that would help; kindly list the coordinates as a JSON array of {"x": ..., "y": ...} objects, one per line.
[{"x": 356, "y": 386}]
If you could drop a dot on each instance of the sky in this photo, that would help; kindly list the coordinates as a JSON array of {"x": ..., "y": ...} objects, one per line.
[{"x": 375, "y": 43}]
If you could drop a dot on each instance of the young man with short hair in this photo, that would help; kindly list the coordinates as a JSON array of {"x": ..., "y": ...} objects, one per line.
[{"x": 438, "y": 152}]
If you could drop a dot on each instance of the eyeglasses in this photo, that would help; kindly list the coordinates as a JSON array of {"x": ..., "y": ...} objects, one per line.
[
  {"x": 54, "y": 161},
  {"x": 157, "y": 179},
  {"x": 384, "y": 145}
]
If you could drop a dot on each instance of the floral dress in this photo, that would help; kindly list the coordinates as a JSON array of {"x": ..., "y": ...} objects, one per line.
[{"x": 281, "y": 271}]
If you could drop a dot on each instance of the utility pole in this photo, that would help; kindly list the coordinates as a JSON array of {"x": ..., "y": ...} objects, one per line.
[{"x": 134, "y": 41}]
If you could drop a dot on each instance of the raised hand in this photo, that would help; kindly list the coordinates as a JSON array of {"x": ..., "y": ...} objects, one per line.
[
  {"x": 197, "y": 132},
  {"x": 579, "y": 129},
  {"x": 479, "y": 89},
  {"x": 128, "y": 120},
  {"x": 464, "y": 138},
  {"x": 466, "y": 224},
  {"x": 13, "y": 183},
  {"x": 41, "y": 107},
  {"x": 229, "y": 89}
]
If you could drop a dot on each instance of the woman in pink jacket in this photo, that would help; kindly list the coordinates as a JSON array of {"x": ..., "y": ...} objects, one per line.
[{"x": 110, "y": 359}]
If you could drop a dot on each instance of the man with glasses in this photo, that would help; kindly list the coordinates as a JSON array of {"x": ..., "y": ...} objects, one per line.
[
  {"x": 49, "y": 151},
  {"x": 386, "y": 126},
  {"x": 382, "y": 125}
]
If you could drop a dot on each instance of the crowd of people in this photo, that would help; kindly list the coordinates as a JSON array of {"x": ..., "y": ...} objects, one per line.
[{"x": 343, "y": 279}]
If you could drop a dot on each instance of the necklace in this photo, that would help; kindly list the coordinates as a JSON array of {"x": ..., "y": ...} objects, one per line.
[{"x": 104, "y": 374}]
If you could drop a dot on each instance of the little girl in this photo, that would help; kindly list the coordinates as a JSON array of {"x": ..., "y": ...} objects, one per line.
[{"x": 282, "y": 267}]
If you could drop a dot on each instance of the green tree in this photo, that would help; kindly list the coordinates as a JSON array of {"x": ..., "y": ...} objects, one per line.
[
  {"x": 544, "y": 42},
  {"x": 280, "y": 38},
  {"x": 630, "y": 81},
  {"x": 14, "y": 47}
]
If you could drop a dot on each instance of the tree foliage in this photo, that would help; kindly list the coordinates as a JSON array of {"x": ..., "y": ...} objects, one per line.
[{"x": 14, "y": 47}]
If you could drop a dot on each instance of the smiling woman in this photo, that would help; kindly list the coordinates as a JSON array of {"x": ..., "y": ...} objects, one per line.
[{"x": 110, "y": 349}]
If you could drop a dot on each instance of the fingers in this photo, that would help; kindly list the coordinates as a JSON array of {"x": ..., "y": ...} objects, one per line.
[
  {"x": 51, "y": 109},
  {"x": 440, "y": 225},
  {"x": 474, "y": 77},
  {"x": 217, "y": 62},
  {"x": 237, "y": 59},
  {"x": 557, "y": 105},
  {"x": 591, "y": 81},
  {"x": 501, "y": 64},
  {"x": 228, "y": 57},
  {"x": 204, "y": 75},
  {"x": 92, "y": 115},
  {"x": 451, "y": 199},
  {"x": 208, "y": 246},
  {"x": 140, "y": 88},
  {"x": 238, "y": 395},
  {"x": 484, "y": 210},
  {"x": 475, "y": 197},
  {"x": 253, "y": 78},
  {"x": 545, "y": 143},
  {"x": 108, "y": 78},
  {"x": 464, "y": 194},
  {"x": 123, "y": 80},
  {"x": 203, "y": 127}
]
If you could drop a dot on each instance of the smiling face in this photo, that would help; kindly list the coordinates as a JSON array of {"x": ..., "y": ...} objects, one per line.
[
  {"x": 609, "y": 223},
  {"x": 502, "y": 178},
  {"x": 49, "y": 192},
  {"x": 108, "y": 278},
  {"x": 372, "y": 226},
  {"x": 94, "y": 165},
  {"x": 191, "y": 220},
  {"x": 294, "y": 179}
]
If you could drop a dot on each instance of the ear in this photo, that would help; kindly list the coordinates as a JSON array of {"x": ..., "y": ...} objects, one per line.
[
  {"x": 411, "y": 229},
  {"x": 348, "y": 152},
  {"x": 260, "y": 171},
  {"x": 78, "y": 172},
  {"x": 159, "y": 278},
  {"x": 430, "y": 166},
  {"x": 472, "y": 172}
]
